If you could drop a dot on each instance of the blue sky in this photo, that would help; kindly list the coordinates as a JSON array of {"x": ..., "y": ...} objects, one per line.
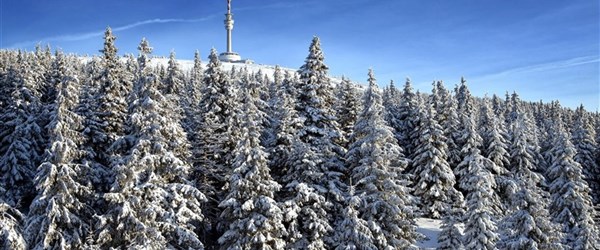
[{"x": 541, "y": 49}]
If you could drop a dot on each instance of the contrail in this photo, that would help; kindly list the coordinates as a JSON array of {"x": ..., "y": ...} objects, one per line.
[
  {"x": 550, "y": 66},
  {"x": 88, "y": 35}
]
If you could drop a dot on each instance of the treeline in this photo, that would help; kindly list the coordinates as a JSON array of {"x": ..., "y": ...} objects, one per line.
[{"x": 116, "y": 153}]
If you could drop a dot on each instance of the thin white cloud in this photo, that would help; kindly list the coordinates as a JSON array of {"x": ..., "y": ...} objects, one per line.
[
  {"x": 88, "y": 35},
  {"x": 577, "y": 61}
]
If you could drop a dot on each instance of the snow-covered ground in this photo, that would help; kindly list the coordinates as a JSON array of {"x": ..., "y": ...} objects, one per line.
[{"x": 431, "y": 229}]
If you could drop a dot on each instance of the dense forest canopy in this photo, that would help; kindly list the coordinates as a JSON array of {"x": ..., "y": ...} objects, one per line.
[{"x": 118, "y": 152}]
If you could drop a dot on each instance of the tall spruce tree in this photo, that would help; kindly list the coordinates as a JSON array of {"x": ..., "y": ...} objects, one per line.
[
  {"x": 105, "y": 122},
  {"x": 528, "y": 224},
  {"x": 315, "y": 174},
  {"x": 11, "y": 221},
  {"x": 348, "y": 108},
  {"x": 60, "y": 215},
  {"x": 478, "y": 182},
  {"x": 21, "y": 137},
  {"x": 375, "y": 164},
  {"x": 216, "y": 138},
  {"x": 150, "y": 204},
  {"x": 571, "y": 205},
  {"x": 435, "y": 180},
  {"x": 586, "y": 145},
  {"x": 254, "y": 218}
]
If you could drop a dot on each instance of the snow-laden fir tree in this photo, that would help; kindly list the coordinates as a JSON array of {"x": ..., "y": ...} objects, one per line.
[
  {"x": 254, "y": 218},
  {"x": 151, "y": 205},
  {"x": 348, "y": 108},
  {"x": 391, "y": 100},
  {"x": 173, "y": 83},
  {"x": 60, "y": 215},
  {"x": 478, "y": 182},
  {"x": 375, "y": 164},
  {"x": 586, "y": 145},
  {"x": 435, "y": 181},
  {"x": 284, "y": 126},
  {"x": 275, "y": 99},
  {"x": 528, "y": 224},
  {"x": 495, "y": 148},
  {"x": 11, "y": 221},
  {"x": 313, "y": 179},
  {"x": 105, "y": 120},
  {"x": 571, "y": 204},
  {"x": 352, "y": 232},
  {"x": 190, "y": 101},
  {"x": 20, "y": 138},
  {"x": 447, "y": 117},
  {"x": 407, "y": 117},
  {"x": 216, "y": 139},
  {"x": 451, "y": 237}
]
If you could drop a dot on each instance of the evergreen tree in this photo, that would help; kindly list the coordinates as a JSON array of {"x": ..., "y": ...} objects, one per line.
[
  {"x": 313, "y": 180},
  {"x": 495, "y": 148},
  {"x": 150, "y": 204},
  {"x": 478, "y": 183},
  {"x": 450, "y": 237},
  {"x": 352, "y": 232},
  {"x": 216, "y": 139},
  {"x": 376, "y": 163},
  {"x": 585, "y": 145},
  {"x": 191, "y": 99},
  {"x": 527, "y": 225},
  {"x": 571, "y": 204},
  {"x": 348, "y": 107},
  {"x": 105, "y": 122},
  {"x": 408, "y": 117},
  {"x": 11, "y": 220},
  {"x": 253, "y": 216},
  {"x": 60, "y": 217},
  {"x": 173, "y": 84},
  {"x": 20, "y": 141},
  {"x": 447, "y": 117},
  {"x": 434, "y": 179}
]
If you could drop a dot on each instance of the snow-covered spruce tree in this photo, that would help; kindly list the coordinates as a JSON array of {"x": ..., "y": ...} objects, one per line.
[
  {"x": 173, "y": 84},
  {"x": 21, "y": 139},
  {"x": 150, "y": 203},
  {"x": 254, "y": 218},
  {"x": 105, "y": 122},
  {"x": 450, "y": 236},
  {"x": 407, "y": 117},
  {"x": 352, "y": 232},
  {"x": 391, "y": 100},
  {"x": 190, "y": 101},
  {"x": 478, "y": 182},
  {"x": 434, "y": 183},
  {"x": 270, "y": 134},
  {"x": 528, "y": 224},
  {"x": 216, "y": 138},
  {"x": 284, "y": 126},
  {"x": 60, "y": 215},
  {"x": 375, "y": 163},
  {"x": 447, "y": 117},
  {"x": 571, "y": 205},
  {"x": 313, "y": 180},
  {"x": 348, "y": 107},
  {"x": 585, "y": 144},
  {"x": 495, "y": 148},
  {"x": 11, "y": 221}
]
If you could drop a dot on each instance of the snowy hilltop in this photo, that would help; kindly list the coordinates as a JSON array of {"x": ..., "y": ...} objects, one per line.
[{"x": 137, "y": 152}]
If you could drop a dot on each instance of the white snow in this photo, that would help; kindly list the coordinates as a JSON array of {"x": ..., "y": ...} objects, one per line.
[{"x": 431, "y": 229}]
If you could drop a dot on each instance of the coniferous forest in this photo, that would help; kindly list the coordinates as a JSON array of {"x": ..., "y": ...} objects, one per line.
[{"x": 118, "y": 152}]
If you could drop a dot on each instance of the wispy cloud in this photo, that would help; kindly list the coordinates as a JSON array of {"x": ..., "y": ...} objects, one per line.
[
  {"x": 577, "y": 61},
  {"x": 88, "y": 35}
]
